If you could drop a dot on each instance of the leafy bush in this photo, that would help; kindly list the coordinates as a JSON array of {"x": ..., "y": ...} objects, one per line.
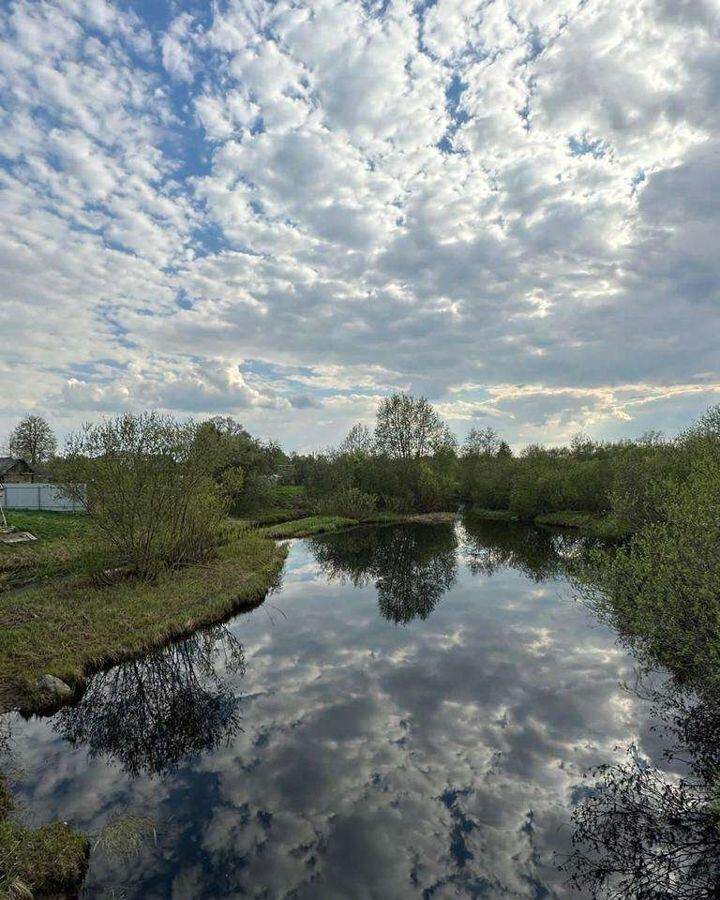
[
  {"x": 663, "y": 589},
  {"x": 257, "y": 494},
  {"x": 150, "y": 499},
  {"x": 434, "y": 488},
  {"x": 348, "y": 502}
]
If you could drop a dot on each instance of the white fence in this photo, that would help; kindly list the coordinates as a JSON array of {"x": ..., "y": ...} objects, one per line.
[{"x": 37, "y": 496}]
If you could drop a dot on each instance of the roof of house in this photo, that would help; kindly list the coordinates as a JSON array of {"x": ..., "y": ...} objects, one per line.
[{"x": 7, "y": 463}]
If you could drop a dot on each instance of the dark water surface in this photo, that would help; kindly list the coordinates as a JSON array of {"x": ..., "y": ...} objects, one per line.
[{"x": 408, "y": 716}]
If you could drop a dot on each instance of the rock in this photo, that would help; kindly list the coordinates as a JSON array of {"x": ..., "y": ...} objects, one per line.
[{"x": 52, "y": 689}]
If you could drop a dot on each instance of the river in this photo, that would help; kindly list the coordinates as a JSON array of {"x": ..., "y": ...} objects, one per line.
[{"x": 409, "y": 715}]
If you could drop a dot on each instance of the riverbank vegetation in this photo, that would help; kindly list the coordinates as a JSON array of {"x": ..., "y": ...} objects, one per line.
[
  {"x": 70, "y": 628},
  {"x": 662, "y": 588},
  {"x": 411, "y": 462},
  {"x": 313, "y": 525},
  {"x": 638, "y": 833},
  {"x": 155, "y": 555},
  {"x": 181, "y": 522},
  {"x": 46, "y": 861}
]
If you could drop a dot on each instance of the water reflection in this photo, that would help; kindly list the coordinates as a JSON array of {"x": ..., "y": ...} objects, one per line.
[
  {"x": 411, "y": 567},
  {"x": 538, "y": 553},
  {"x": 151, "y": 714},
  {"x": 433, "y": 761},
  {"x": 644, "y": 833}
]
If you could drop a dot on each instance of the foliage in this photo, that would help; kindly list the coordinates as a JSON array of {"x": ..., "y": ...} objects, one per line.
[
  {"x": 151, "y": 495},
  {"x": 350, "y": 502},
  {"x": 408, "y": 428},
  {"x": 664, "y": 587},
  {"x": 33, "y": 440},
  {"x": 484, "y": 442},
  {"x": 239, "y": 463}
]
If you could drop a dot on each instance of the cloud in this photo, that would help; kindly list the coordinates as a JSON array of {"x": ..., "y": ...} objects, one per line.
[{"x": 496, "y": 194}]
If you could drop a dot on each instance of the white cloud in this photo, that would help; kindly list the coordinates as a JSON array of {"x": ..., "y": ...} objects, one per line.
[{"x": 503, "y": 194}]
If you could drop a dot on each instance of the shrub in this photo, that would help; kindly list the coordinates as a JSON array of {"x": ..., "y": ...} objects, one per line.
[
  {"x": 151, "y": 501},
  {"x": 663, "y": 589},
  {"x": 434, "y": 488},
  {"x": 350, "y": 503}
]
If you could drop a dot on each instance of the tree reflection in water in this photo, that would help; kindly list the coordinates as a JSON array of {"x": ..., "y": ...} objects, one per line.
[
  {"x": 648, "y": 836},
  {"x": 153, "y": 713},
  {"x": 489, "y": 546},
  {"x": 411, "y": 566}
]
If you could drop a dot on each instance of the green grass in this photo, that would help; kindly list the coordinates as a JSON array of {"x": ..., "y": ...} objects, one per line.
[
  {"x": 43, "y": 861},
  {"x": 500, "y": 515},
  {"x": 71, "y": 628},
  {"x": 390, "y": 518},
  {"x": 300, "y": 528},
  {"x": 591, "y": 524},
  {"x": 278, "y": 516},
  {"x": 311, "y": 525},
  {"x": 58, "y": 550},
  {"x": 287, "y": 496}
]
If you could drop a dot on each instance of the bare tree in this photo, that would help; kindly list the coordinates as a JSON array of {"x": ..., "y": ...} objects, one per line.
[
  {"x": 408, "y": 428},
  {"x": 358, "y": 440},
  {"x": 33, "y": 440}
]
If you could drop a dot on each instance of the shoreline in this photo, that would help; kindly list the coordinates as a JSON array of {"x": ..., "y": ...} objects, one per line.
[{"x": 40, "y": 636}]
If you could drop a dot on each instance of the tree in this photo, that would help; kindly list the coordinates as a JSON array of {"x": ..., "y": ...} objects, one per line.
[
  {"x": 151, "y": 495},
  {"x": 408, "y": 427},
  {"x": 33, "y": 440},
  {"x": 358, "y": 440},
  {"x": 482, "y": 442},
  {"x": 239, "y": 463},
  {"x": 708, "y": 425}
]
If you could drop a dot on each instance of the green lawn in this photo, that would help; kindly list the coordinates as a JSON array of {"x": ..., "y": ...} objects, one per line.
[
  {"x": 68, "y": 628},
  {"x": 288, "y": 496},
  {"x": 58, "y": 550}
]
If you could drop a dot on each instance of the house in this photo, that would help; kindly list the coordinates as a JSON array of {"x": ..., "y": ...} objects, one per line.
[{"x": 15, "y": 471}]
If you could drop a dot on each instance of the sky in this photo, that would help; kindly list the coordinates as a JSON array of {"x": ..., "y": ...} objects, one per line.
[{"x": 285, "y": 211}]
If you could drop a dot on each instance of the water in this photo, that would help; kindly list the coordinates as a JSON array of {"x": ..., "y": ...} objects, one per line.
[{"x": 409, "y": 716}]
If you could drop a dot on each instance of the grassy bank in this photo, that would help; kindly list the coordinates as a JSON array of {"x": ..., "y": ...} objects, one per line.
[
  {"x": 70, "y": 628},
  {"x": 591, "y": 524},
  {"x": 300, "y": 528},
  {"x": 59, "y": 548},
  {"x": 312, "y": 525},
  {"x": 495, "y": 515},
  {"x": 285, "y": 504},
  {"x": 586, "y": 524},
  {"x": 42, "y": 862}
]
